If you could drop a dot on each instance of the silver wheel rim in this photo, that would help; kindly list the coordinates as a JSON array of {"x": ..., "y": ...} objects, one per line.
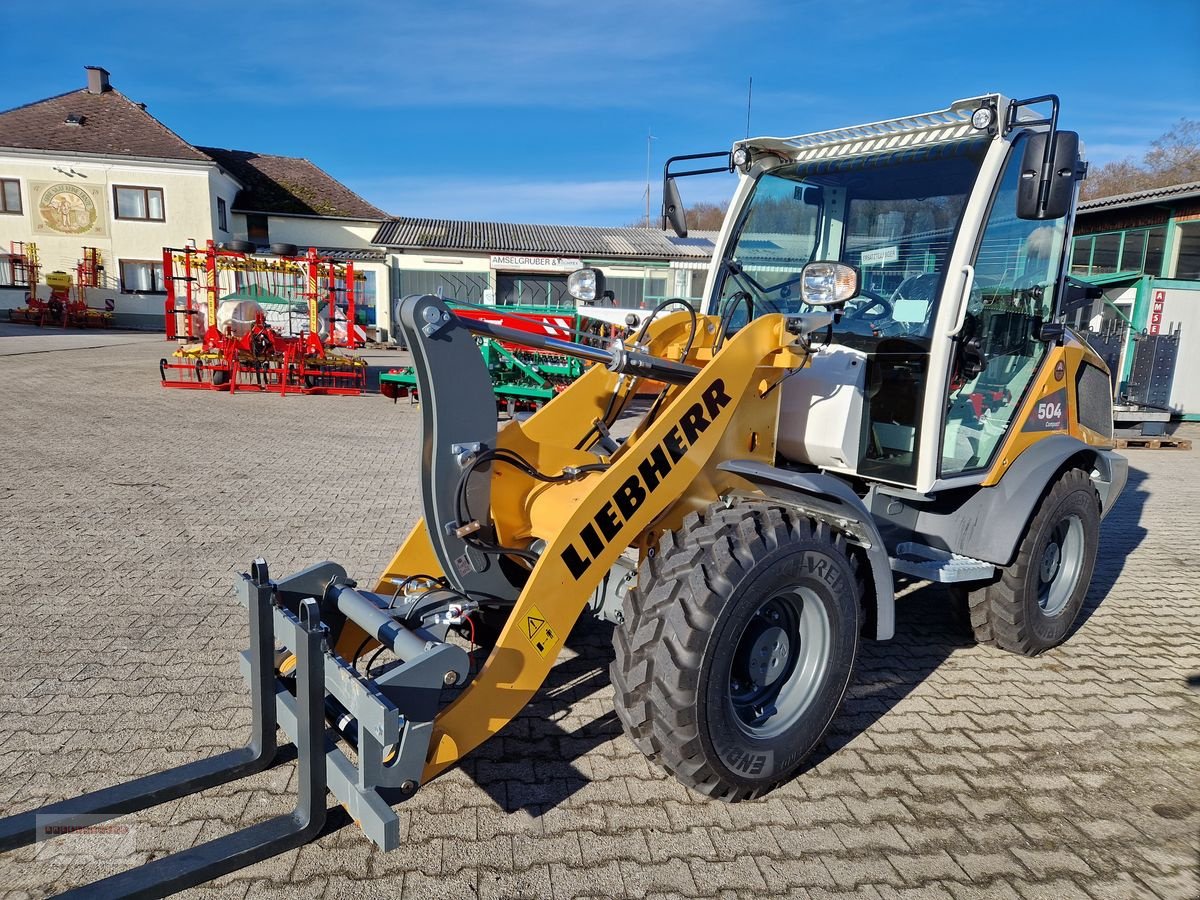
[
  {"x": 779, "y": 662},
  {"x": 1059, "y": 567}
]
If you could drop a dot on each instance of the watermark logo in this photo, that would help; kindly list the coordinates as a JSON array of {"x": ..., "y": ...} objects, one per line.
[{"x": 80, "y": 840}]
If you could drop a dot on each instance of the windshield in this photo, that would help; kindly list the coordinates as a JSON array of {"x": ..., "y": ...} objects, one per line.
[{"x": 893, "y": 215}]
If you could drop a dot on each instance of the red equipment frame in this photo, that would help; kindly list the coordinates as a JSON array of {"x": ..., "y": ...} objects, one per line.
[
  {"x": 67, "y": 305},
  {"x": 261, "y": 359}
]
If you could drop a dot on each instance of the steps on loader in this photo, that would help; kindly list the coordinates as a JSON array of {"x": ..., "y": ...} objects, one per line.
[{"x": 931, "y": 564}]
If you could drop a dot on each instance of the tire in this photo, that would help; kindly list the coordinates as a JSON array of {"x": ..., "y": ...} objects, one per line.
[
  {"x": 1033, "y": 604},
  {"x": 754, "y": 583},
  {"x": 282, "y": 249},
  {"x": 240, "y": 246}
]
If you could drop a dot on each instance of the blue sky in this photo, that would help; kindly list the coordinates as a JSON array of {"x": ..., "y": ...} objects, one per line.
[{"x": 538, "y": 111}]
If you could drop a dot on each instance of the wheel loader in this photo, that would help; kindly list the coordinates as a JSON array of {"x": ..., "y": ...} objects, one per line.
[{"x": 878, "y": 383}]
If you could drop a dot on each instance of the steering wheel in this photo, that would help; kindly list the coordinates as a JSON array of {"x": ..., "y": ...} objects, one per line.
[{"x": 877, "y": 301}]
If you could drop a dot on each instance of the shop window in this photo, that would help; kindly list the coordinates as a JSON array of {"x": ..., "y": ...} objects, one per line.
[
  {"x": 467, "y": 286},
  {"x": 1187, "y": 263},
  {"x": 1081, "y": 256},
  {"x": 142, "y": 276},
  {"x": 532, "y": 290},
  {"x": 1104, "y": 255},
  {"x": 145, "y": 203},
  {"x": 10, "y": 195},
  {"x": 627, "y": 292},
  {"x": 222, "y": 215},
  {"x": 1133, "y": 251},
  {"x": 1156, "y": 243}
]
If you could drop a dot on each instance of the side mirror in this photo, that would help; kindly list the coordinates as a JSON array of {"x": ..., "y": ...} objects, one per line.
[
  {"x": 1048, "y": 175},
  {"x": 672, "y": 210},
  {"x": 1052, "y": 332},
  {"x": 1077, "y": 294}
]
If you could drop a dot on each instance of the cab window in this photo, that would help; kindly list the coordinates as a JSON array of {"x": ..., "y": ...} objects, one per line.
[{"x": 999, "y": 351}]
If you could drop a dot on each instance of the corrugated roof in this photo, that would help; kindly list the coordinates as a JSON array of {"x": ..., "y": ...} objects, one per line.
[
  {"x": 355, "y": 254},
  {"x": 288, "y": 185},
  {"x": 562, "y": 240},
  {"x": 107, "y": 124},
  {"x": 1137, "y": 198}
]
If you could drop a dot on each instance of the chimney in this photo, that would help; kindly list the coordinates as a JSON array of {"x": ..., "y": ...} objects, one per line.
[{"x": 97, "y": 80}]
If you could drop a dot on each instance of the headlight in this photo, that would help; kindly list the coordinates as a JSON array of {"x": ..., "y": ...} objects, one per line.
[
  {"x": 741, "y": 157},
  {"x": 983, "y": 117},
  {"x": 828, "y": 283},
  {"x": 586, "y": 285}
]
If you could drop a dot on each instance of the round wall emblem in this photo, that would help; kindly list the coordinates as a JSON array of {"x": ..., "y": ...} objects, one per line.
[{"x": 67, "y": 208}]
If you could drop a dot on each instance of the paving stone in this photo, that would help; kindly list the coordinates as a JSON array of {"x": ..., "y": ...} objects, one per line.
[{"x": 954, "y": 771}]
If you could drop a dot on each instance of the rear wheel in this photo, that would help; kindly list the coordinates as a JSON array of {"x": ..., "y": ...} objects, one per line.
[
  {"x": 737, "y": 647},
  {"x": 1035, "y": 601}
]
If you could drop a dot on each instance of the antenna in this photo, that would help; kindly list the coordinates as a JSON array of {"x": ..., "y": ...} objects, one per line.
[
  {"x": 749, "y": 95},
  {"x": 649, "y": 137}
]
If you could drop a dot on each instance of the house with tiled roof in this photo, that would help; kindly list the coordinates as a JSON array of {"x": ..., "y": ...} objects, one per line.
[{"x": 92, "y": 168}]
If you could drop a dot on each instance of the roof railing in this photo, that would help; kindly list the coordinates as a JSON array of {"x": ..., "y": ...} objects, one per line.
[{"x": 940, "y": 126}]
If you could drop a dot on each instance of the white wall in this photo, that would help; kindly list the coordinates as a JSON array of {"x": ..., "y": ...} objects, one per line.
[
  {"x": 1181, "y": 308},
  {"x": 189, "y": 207}
]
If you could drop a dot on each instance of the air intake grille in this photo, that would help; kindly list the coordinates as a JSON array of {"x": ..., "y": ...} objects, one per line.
[{"x": 1094, "y": 391}]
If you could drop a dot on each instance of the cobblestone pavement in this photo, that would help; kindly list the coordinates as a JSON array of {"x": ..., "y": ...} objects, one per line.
[{"x": 954, "y": 770}]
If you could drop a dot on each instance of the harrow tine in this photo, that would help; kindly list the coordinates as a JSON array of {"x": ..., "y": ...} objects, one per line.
[{"x": 141, "y": 793}]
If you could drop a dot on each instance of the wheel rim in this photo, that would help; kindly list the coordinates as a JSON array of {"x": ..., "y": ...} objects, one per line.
[
  {"x": 1060, "y": 565},
  {"x": 779, "y": 663}
]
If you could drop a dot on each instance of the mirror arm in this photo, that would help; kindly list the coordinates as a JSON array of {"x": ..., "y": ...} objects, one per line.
[{"x": 669, "y": 189}]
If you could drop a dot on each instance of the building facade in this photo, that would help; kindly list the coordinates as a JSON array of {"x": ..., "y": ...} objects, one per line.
[
  {"x": 505, "y": 264},
  {"x": 1143, "y": 250},
  {"x": 91, "y": 168}
]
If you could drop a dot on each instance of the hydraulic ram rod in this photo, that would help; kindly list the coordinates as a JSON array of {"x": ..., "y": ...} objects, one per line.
[
  {"x": 616, "y": 358},
  {"x": 377, "y": 623}
]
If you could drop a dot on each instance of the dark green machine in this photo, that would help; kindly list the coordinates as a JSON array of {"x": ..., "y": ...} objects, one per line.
[{"x": 522, "y": 378}]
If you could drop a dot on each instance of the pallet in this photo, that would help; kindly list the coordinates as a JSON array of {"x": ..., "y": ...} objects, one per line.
[{"x": 1153, "y": 443}]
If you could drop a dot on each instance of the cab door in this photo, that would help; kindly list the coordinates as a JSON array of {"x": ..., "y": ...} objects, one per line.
[{"x": 1016, "y": 273}]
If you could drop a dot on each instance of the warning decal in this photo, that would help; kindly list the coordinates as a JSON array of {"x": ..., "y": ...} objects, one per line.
[{"x": 542, "y": 636}]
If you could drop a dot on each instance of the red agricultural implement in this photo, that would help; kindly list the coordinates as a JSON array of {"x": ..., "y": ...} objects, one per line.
[
  {"x": 259, "y": 325},
  {"x": 67, "y": 305}
]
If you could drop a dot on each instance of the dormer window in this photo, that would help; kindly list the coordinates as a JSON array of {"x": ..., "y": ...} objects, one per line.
[{"x": 75, "y": 119}]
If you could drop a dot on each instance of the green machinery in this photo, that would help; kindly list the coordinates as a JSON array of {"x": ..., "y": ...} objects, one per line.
[{"x": 522, "y": 378}]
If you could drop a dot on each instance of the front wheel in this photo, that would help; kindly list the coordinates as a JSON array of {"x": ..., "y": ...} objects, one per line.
[
  {"x": 737, "y": 647},
  {"x": 1034, "y": 602}
]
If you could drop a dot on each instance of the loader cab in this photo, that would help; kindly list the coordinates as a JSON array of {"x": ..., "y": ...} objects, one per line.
[{"x": 919, "y": 377}]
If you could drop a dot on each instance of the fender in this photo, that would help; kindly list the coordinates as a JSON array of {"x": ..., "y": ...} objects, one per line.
[
  {"x": 830, "y": 498},
  {"x": 989, "y": 522}
]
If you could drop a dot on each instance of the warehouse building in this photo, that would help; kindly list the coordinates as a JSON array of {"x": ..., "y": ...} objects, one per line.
[
  {"x": 1143, "y": 250},
  {"x": 505, "y": 264}
]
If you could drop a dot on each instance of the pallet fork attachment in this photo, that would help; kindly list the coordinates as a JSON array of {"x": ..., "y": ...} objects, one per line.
[
  {"x": 249, "y": 845},
  {"x": 394, "y": 714}
]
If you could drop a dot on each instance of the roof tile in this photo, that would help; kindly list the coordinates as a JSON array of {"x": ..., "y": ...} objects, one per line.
[
  {"x": 112, "y": 125},
  {"x": 288, "y": 185}
]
